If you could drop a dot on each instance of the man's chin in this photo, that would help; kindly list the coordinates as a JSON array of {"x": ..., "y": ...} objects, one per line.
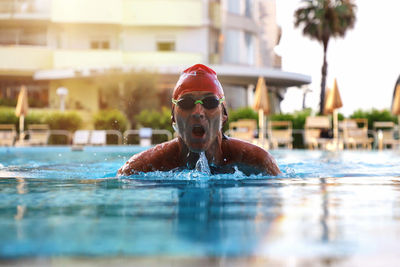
[{"x": 197, "y": 147}]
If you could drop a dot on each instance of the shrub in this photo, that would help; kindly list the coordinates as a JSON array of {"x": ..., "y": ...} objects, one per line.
[
  {"x": 70, "y": 121},
  {"x": 155, "y": 120},
  {"x": 7, "y": 116},
  {"x": 111, "y": 119},
  {"x": 242, "y": 113},
  {"x": 374, "y": 115}
]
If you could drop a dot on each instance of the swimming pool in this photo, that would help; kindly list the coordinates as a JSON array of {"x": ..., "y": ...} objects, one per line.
[{"x": 326, "y": 209}]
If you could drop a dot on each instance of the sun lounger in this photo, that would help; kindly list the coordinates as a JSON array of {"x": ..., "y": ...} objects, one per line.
[
  {"x": 385, "y": 130},
  {"x": 98, "y": 137},
  {"x": 313, "y": 128},
  {"x": 81, "y": 138},
  {"x": 243, "y": 129},
  {"x": 145, "y": 135},
  {"x": 8, "y": 134},
  {"x": 280, "y": 133},
  {"x": 38, "y": 134},
  {"x": 355, "y": 133}
]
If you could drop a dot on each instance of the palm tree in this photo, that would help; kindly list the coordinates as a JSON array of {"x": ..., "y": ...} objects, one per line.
[{"x": 321, "y": 20}]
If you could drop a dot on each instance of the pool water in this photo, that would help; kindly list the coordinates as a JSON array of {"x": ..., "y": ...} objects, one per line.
[{"x": 336, "y": 208}]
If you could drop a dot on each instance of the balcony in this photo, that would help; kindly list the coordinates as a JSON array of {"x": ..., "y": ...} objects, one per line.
[
  {"x": 163, "y": 13},
  {"x": 24, "y": 9},
  {"x": 25, "y": 58},
  {"x": 129, "y": 12},
  {"x": 86, "y": 58},
  {"x": 87, "y": 11},
  {"x": 161, "y": 58}
]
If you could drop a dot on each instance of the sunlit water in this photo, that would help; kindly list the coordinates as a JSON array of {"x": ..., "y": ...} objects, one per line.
[{"x": 335, "y": 205}]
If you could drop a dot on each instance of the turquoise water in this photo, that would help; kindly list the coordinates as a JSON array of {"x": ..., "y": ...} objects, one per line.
[{"x": 336, "y": 205}]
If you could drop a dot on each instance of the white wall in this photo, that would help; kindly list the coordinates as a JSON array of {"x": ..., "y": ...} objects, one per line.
[{"x": 145, "y": 39}]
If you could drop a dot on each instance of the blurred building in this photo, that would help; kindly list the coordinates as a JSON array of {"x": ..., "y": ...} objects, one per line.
[{"x": 88, "y": 46}]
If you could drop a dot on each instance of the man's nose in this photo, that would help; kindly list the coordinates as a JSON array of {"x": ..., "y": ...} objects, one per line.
[{"x": 198, "y": 111}]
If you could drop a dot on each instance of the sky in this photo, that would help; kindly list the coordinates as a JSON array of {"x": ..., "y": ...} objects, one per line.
[{"x": 366, "y": 62}]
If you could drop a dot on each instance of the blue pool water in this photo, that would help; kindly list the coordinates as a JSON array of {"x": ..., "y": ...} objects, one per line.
[{"x": 342, "y": 206}]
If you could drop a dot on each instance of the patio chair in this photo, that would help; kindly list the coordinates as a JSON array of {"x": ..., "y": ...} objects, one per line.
[
  {"x": 8, "y": 134},
  {"x": 38, "y": 134},
  {"x": 243, "y": 129},
  {"x": 355, "y": 133},
  {"x": 387, "y": 130},
  {"x": 145, "y": 135},
  {"x": 81, "y": 138},
  {"x": 98, "y": 138},
  {"x": 313, "y": 128},
  {"x": 280, "y": 133}
]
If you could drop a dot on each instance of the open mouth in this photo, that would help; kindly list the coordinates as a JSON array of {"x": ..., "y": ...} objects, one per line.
[{"x": 198, "y": 131}]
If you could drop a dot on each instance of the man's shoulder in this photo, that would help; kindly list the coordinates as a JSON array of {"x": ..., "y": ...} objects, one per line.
[
  {"x": 238, "y": 145},
  {"x": 164, "y": 156},
  {"x": 165, "y": 148}
]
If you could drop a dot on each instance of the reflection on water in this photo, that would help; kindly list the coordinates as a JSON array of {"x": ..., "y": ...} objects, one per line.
[{"x": 336, "y": 208}]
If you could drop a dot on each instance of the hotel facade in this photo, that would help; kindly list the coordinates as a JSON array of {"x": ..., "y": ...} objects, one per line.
[{"x": 88, "y": 46}]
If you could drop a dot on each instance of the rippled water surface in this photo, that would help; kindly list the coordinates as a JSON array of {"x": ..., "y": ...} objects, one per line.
[{"x": 335, "y": 206}]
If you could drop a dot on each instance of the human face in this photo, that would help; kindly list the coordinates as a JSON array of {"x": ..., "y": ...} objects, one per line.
[{"x": 199, "y": 126}]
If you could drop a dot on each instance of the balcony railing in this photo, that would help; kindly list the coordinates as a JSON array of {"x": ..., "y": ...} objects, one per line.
[
  {"x": 37, "y": 58},
  {"x": 25, "y": 8},
  {"x": 161, "y": 58},
  {"x": 25, "y": 58}
]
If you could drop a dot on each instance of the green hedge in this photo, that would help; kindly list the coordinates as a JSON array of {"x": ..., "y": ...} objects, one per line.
[
  {"x": 70, "y": 121},
  {"x": 374, "y": 115},
  {"x": 156, "y": 120},
  {"x": 110, "y": 119}
]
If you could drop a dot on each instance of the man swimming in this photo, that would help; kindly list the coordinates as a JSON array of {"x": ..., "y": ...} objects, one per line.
[{"x": 198, "y": 115}]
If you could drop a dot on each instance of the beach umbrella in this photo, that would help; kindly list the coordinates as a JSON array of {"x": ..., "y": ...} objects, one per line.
[
  {"x": 332, "y": 103},
  {"x": 22, "y": 109},
  {"x": 396, "y": 103},
  {"x": 261, "y": 104}
]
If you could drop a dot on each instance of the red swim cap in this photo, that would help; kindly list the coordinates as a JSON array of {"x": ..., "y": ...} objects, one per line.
[{"x": 198, "y": 78}]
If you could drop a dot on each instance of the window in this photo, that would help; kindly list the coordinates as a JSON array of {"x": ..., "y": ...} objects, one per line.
[
  {"x": 100, "y": 45},
  {"x": 166, "y": 46},
  {"x": 234, "y": 6},
  {"x": 249, "y": 8},
  {"x": 231, "y": 46},
  {"x": 23, "y": 36},
  {"x": 249, "y": 42}
]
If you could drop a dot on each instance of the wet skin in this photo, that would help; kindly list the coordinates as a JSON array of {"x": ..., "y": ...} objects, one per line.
[{"x": 199, "y": 129}]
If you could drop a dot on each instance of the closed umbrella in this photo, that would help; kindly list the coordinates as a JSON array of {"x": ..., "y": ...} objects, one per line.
[
  {"x": 396, "y": 104},
  {"x": 22, "y": 109},
  {"x": 333, "y": 102},
  {"x": 261, "y": 104}
]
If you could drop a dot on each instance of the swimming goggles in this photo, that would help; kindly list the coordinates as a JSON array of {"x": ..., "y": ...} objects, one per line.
[{"x": 208, "y": 102}]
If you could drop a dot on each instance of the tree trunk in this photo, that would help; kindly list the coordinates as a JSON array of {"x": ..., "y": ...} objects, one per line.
[{"x": 324, "y": 72}]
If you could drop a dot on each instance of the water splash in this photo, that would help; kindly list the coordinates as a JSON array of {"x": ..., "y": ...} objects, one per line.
[{"x": 202, "y": 164}]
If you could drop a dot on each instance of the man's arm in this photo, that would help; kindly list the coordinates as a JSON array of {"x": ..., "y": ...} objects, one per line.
[{"x": 162, "y": 157}]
